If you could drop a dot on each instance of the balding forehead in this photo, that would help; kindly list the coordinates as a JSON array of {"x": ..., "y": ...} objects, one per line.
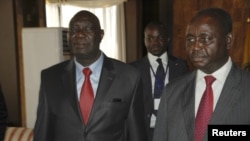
[
  {"x": 222, "y": 17},
  {"x": 86, "y": 16},
  {"x": 206, "y": 19}
]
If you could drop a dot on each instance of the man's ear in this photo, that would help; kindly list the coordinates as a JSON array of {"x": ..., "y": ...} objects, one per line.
[
  {"x": 101, "y": 35},
  {"x": 229, "y": 40}
]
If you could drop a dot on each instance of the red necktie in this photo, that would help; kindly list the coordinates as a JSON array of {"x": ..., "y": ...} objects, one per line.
[
  {"x": 205, "y": 110},
  {"x": 86, "y": 96}
]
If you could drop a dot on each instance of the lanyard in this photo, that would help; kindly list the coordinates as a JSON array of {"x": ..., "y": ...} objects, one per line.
[
  {"x": 159, "y": 83},
  {"x": 154, "y": 73}
]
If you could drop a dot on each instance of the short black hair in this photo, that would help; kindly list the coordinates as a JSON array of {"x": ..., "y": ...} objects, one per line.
[
  {"x": 223, "y": 17},
  {"x": 85, "y": 13},
  {"x": 157, "y": 24}
]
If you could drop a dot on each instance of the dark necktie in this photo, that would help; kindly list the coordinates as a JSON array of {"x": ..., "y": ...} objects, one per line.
[
  {"x": 159, "y": 82},
  {"x": 205, "y": 110},
  {"x": 159, "y": 79},
  {"x": 86, "y": 96}
]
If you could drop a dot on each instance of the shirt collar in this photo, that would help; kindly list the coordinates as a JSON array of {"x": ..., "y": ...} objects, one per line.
[
  {"x": 95, "y": 67},
  {"x": 152, "y": 58}
]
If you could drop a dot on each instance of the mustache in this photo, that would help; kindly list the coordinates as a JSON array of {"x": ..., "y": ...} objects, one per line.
[{"x": 198, "y": 54}]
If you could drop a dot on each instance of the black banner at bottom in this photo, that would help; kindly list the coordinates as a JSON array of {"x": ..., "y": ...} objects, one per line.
[{"x": 226, "y": 132}]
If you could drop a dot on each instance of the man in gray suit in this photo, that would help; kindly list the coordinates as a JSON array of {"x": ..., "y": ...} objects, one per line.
[
  {"x": 208, "y": 39},
  {"x": 117, "y": 109}
]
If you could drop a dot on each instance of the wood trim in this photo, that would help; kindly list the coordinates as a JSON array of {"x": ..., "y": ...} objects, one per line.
[{"x": 18, "y": 26}]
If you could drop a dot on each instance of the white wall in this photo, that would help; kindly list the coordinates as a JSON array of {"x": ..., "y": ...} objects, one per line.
[{"x": 42, "y": 47}]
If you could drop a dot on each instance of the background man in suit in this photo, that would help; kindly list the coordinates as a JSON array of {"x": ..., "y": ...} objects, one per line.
[
  {"x": 208, "y": 39},
  {"x": 3, "y": 115},
  {"x": 117, "y": 110},
  {"x": 156, "y": 42}
]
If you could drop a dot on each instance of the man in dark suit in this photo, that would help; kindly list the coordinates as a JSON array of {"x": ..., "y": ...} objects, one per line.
[
  {"x": 117, "y": 110},
  {"x": 156, "y": 42},
  {"x": 3, "y": 115},
  {"x": 208, "y": 40}
]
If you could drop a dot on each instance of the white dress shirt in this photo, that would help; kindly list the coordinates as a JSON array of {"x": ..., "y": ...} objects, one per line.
[
  {"x": 220, "y": 75},
  {"x": 153, "y": 67}
]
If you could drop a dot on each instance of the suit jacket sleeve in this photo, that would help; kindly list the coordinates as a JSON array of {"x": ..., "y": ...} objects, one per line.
[
  {"x": 42, "y": 114},
  {"x": 136, "y": 123}
]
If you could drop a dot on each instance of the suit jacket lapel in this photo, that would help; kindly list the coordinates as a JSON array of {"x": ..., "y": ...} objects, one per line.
[
  {"x": 147, "y": 82},
  {"x": 188, "y": 99},
  {"x": 228, "y": 98},
  {"x": 69, "y": 86},
  {"x": 106, "y": 80},
  {"x": 171, "y": 65}
]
